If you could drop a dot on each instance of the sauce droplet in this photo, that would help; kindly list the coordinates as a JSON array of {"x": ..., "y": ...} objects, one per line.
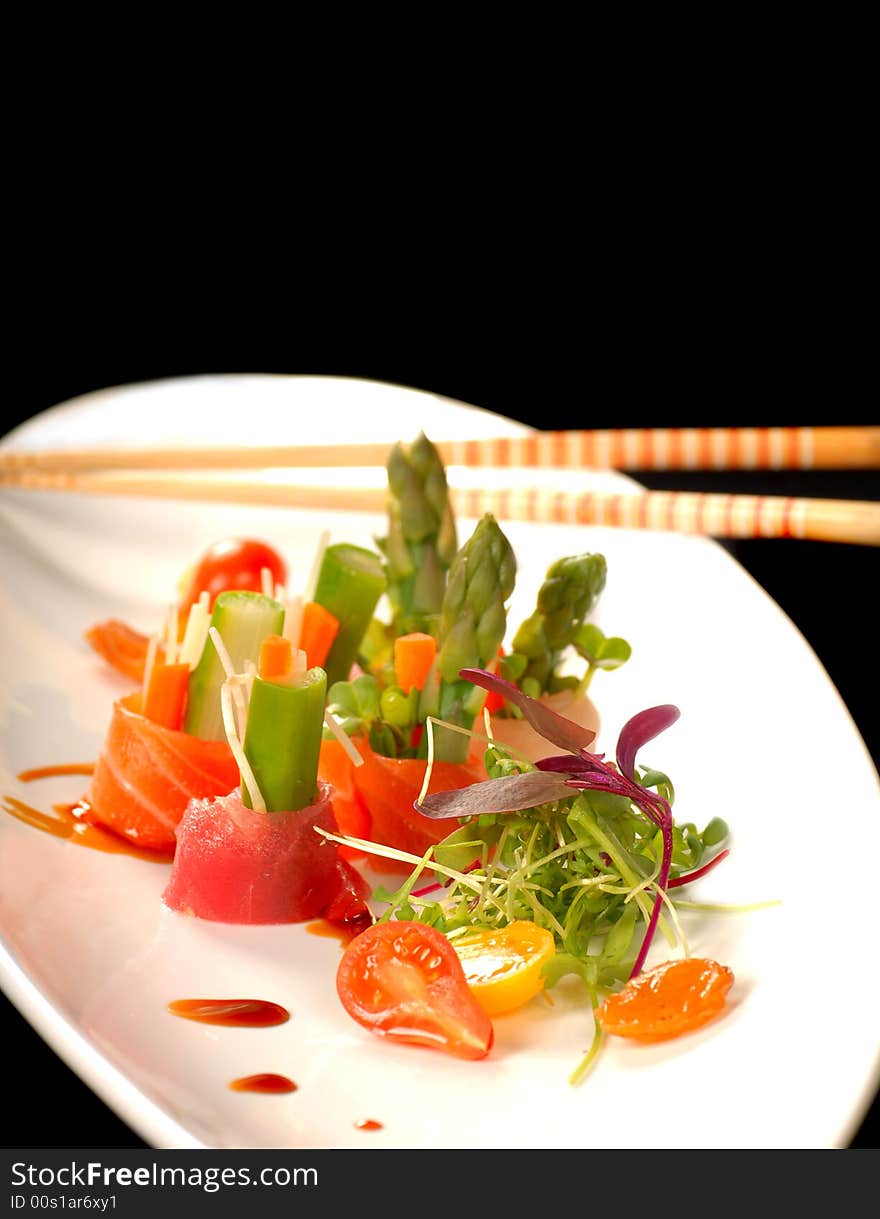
[
  {"x": 67, "y": 822},
  {"x": 368, "y": 1123},
  {"x": 267, "y": 1082},
  {"x": 237, "y": 1013},
  {"x": 344, "y": 931}
]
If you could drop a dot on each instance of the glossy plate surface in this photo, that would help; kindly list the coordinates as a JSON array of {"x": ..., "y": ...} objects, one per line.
[{"x": 92, "y": 958}]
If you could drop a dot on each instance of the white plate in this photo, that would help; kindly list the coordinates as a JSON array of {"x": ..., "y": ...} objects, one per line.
[{"x": 91, "y": 957}]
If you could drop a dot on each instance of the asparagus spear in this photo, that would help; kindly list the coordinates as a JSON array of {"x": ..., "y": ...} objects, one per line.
[
  {"x": 473, "y": 620},
  {"x": 421, "y": 542},
  {"x": 283, "y": 739},
  {"x": 349, "y": 585},
  {"x": 570, "y": 590}
]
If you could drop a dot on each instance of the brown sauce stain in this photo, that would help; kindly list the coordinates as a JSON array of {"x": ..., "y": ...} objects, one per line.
[
  {"x": 50, "y": 772},
  {"x": 331, "y": 931},
  {"x": 66, "y": 821},
  {"x": 267, "y": 1082},
  {"x": 234, "y": 1013},
  {"x": 345, "y": 931}
]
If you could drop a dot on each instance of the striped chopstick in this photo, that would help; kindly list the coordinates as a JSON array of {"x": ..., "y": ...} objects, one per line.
[
  {"x": 714, "y": 514},
  {"x": 765, "y": 448}
]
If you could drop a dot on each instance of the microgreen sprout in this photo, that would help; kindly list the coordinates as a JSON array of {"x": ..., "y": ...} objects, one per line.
[{"x": 600, "y": 651}]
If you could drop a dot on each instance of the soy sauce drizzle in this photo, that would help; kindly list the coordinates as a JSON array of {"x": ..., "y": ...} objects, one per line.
[
  {"x": 234, "y": 1013},
  {"x": 268, "y": 1082},
  {"x": 49, "y": 772},
  {"x": 67, "y": 822},
  {"x": 344, "y": 931}
]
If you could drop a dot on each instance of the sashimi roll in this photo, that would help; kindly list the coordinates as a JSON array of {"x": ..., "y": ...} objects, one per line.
[
  {"x": 256, "y": 854},
  {"x": 236, "y": 865},
  {"x": 162, "y": 749}
]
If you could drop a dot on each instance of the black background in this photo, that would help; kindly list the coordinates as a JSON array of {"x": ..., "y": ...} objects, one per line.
[{"x": 551, "y": 353}]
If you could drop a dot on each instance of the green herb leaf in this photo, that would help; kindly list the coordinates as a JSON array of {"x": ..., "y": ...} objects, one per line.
[{"x": 599, "y": 650}]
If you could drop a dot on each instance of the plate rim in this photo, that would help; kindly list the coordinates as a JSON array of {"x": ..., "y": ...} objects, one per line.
[{"x": 61, "y": 1034}]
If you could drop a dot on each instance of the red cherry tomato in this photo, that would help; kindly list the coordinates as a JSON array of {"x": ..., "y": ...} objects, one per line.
[
  {"x": 234, "y": 564},
  {"x": 403, "y": 980}
]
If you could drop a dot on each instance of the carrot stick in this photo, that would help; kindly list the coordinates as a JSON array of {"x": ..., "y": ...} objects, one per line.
[
  {"x": 166, "y": 694},
  {"x": 413, "y": 656},
  {"x": 317, "y": 633},
  {"x": 276, "y": 658}
]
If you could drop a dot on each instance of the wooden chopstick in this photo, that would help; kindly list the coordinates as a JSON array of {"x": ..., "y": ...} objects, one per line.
[
  {"x": 718, "y": 515},
  {"x": 767, "y": 448}
]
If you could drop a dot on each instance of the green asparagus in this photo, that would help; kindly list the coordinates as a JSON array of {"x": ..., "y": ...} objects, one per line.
[
  {"x": 473, "y": 620},
  {"x": 569, "y": 592},
  {"x": 421, "y": 542}
]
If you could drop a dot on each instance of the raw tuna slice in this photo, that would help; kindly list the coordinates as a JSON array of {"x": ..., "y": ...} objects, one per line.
[
  {"x": 235, "y": 865},
  {"x": 146, "y": 775}
]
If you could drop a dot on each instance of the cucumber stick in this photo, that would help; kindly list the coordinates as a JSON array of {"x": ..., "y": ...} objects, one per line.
[
  {"x": 350, "y": 582},
  {"x": 283, "y": 740},
  {"x": 244, "y": 620}
]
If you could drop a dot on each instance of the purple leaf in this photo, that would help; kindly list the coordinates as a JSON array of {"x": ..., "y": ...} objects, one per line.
[
  {"x": 639, "y": 730},
  {"x": 602, "y": 780},
  {"x": 552, "y": 727},
  {"x": 566, "y": 763},
  {"x": 509, "y": 794}
]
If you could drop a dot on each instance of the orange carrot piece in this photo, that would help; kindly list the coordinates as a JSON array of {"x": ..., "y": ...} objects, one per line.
[
  {"x": 276, "y": 658},
  {"x": 413, "y": 656},
  {"x": 166, "y": 695},
  {"x": 319, "y": 629}
]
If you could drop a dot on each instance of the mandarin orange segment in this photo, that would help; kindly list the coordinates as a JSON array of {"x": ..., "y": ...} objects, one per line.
[{"x": 667, "y": 1001}]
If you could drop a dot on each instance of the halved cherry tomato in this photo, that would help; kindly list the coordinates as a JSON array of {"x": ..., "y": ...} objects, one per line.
[
  {"x": 665, "y": 1002},
  {"x": 403, "y": 980},
  {"x": 236, "y": 564},
  {"x": 503, "y": 966}
]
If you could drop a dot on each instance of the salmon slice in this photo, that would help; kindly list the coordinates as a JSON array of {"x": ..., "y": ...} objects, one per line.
[
  {"x": 352, "y": 816},
  {"x": 121, "y": 646},
  {"x": 146, "y": 775},
  {"x": 389, "y": 786}
]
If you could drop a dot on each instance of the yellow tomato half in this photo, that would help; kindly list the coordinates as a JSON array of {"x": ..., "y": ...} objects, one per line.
[{"x": 503, "y": 967}]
